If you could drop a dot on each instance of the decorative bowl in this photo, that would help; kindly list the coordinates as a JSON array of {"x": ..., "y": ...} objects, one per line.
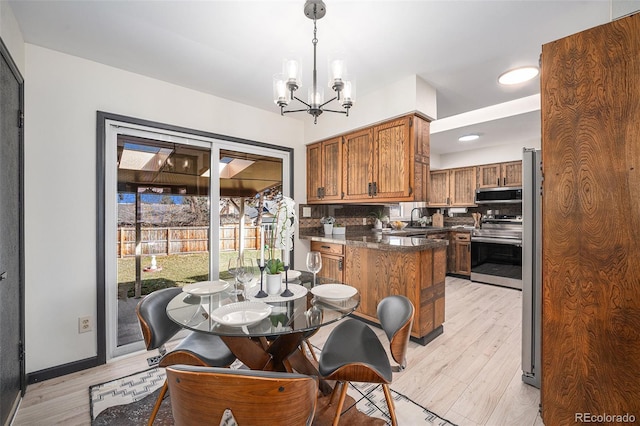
[{"x": 398, "y": 225}]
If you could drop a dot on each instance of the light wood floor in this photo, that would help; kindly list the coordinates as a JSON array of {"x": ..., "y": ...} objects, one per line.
[{"x": 469, "y": 375}]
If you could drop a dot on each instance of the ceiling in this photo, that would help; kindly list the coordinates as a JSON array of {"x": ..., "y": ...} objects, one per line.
[{"x": 231, "y": 49}]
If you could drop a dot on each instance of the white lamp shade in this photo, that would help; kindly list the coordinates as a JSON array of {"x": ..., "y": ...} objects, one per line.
[
  {"x": 292, "y": 71},
  {"x": 316, "y": 99},
  {"x": 281, "y": 96},
  {"x": 337, "y": 70},
  {"x": 349, "y": 92}
]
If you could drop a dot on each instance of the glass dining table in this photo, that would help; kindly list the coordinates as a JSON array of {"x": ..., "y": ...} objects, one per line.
[{"x": 266, "y": 333}]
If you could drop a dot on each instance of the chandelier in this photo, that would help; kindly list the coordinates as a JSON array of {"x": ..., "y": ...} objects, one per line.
[{"x": 286, "y": 83}]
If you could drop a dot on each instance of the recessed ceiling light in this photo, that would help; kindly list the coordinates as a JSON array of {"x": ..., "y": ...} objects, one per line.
[
  {"x": 468, "y": 138},
  {"x": 518, "y": 75}
]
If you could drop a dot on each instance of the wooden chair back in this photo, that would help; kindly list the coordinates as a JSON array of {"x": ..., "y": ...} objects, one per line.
[{"x": 200, "y": 395}]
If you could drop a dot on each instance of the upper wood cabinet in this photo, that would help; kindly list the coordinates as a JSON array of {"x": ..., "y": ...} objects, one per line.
[
  {"x": 453, "y": 187},
  {"x": 388, "y": 162},
  {"x": 357, "y": 168},
  {"x": 500, "y": 174},
  {"x": 324, "y": 171}
]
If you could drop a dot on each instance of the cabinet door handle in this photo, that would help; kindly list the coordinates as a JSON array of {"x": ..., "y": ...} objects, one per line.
[
  {"x": 370, "y": 191},
  {"x": 498, "y": 183},
  {"x": 340, "y": 265},
  {"x": 318, "y": 193},
  {"x": 325, "y": 247},
  {"x": 504, "y": 181}
]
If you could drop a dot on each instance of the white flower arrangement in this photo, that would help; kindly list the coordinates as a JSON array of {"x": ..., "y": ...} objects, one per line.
[
  {"x": 284, "y": 224},
  {"x": 328, "y": 220}
]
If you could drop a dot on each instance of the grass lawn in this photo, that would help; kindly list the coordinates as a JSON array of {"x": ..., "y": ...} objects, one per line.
[{"x": 177, "y": 270}]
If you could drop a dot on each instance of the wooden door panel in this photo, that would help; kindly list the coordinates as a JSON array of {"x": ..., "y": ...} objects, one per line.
[
  {"x": 462, "y": 186},
  {"x": 512, "y": 174},
  {"x": 590, "y": 86},
  {"x": 392, "y": 172},
  {"x": 314, "y": 172},
  {"x": 332, "y": 169},
  {"x": 489, "y": 176},
  {"x": 439, "y": 189},
  {"x": 357, "y": 168}
]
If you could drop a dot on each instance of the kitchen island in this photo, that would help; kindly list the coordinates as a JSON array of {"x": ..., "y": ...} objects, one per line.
[{"x": 381, "y": 264}]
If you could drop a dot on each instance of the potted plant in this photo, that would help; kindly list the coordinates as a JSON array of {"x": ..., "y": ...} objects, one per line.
[
  {"x": 339, "y": 229},
  {"x": 379, "y": 217},
  {"x": 280, "y": 239},
  {"x": 327, "y": 222}
]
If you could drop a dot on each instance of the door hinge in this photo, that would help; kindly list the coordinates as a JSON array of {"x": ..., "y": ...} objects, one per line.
[
  {"x": 340, "y": 264},
  {"x": 20, "y": 119},
  {"x": 410, "y": 121},
  {"x": 21, "y": 351},
  {"x": 410, "y": 190},
  {"x": 342, "y": 195}
]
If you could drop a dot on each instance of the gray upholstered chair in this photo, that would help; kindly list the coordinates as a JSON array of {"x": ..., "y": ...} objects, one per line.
[
  {"x": 195, "y": 349},
  {"x": 353, "y": 352},
  {"x": 202, "y": 395}
]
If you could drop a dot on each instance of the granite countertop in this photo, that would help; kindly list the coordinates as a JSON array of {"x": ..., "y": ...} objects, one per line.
[{"x": 388, "y": 240}]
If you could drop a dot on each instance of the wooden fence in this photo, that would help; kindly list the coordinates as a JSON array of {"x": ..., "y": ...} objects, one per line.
[{"x": 183, "y": 240}]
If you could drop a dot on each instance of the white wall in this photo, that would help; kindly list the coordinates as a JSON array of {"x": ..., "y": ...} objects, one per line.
[
  {"x": 11, "y": 35},
  {"x": 62, "y": 95},
  {"x": 408, "y": 95},
  {"x": 494, "y": 154}
]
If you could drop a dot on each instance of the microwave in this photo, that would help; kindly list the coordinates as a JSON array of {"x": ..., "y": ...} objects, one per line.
[{"x": 498, "y": 195}]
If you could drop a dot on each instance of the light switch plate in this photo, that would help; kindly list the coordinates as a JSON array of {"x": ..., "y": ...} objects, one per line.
[{"x": 306, "y": 212}]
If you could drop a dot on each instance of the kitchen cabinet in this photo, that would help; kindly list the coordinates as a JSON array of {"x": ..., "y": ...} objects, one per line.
[
  {"x": 388, "y": 162},
  {"x": 418, "y": 275},
  {"x": 461, "y": 243},
  {"x": 332, "y": 260},
  {"x": 324, "y": 171},
  {"x": 500, "y": 174},
  {"x": 453, "y": 187}
]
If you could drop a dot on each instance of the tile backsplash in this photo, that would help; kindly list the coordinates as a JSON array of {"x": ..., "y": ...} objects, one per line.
[{"x": 353, "y": 215}]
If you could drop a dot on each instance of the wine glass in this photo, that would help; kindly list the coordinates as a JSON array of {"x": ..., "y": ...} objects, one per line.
[
  {"x": 235, "y": 263},
  {"x": 314, "y": 264},
  {"x": 245, "y": 274}
]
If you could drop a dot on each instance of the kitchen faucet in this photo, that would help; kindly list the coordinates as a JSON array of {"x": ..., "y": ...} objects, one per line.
[{"x": 411, "y": 215}]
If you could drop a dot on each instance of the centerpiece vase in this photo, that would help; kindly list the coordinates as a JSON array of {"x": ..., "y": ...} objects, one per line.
[{"x": 274, "y": 283}]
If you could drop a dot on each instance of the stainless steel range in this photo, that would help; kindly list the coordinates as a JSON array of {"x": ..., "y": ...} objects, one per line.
[{"x": 496, "y": 251}]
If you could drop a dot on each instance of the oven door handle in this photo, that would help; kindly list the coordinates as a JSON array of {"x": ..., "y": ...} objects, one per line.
[{"x": 512, "y": 242}]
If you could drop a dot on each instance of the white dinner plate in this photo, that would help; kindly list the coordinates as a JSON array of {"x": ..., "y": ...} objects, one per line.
[
  {"x": 291, "y": 275},
  {"x": 204, "y": 288},
  {"x": 334, "y": 291},
  {"x": 241, "y": 313}
]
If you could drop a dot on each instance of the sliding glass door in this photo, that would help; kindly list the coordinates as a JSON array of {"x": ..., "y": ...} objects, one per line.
[{"x": 169, "y": 223}]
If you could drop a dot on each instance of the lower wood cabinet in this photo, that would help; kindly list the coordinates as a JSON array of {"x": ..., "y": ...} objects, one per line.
[
  {"x": 462, "y": 244},
  {"x": 419, "y": 275},
  {"x": 332, "y": 260}
]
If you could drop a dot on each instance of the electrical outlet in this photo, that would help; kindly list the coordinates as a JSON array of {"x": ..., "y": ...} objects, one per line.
[
  {"x": 84, "y": 324},
  {"x": 364, "y": 220}
]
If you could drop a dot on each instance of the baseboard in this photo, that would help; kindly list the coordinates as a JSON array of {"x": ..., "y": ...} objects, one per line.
[{"x": 62, "y": 370}]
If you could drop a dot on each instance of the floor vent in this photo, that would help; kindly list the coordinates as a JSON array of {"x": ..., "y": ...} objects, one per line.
[{"x": 153, "y": 361}]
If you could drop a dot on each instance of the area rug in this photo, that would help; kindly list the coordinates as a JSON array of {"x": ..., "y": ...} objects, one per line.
[{"x": 129, "y": 401}]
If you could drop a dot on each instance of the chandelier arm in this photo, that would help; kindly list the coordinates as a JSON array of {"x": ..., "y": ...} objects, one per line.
[
  {"x": 329, "y": 101},
  {"x": 300, "y": 100},
  {"x": 338, "y": 112},
  {"x": 295, "y": 110}
]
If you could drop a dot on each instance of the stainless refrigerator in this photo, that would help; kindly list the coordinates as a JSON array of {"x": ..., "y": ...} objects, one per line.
[{"x": 531, "y": 266}]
